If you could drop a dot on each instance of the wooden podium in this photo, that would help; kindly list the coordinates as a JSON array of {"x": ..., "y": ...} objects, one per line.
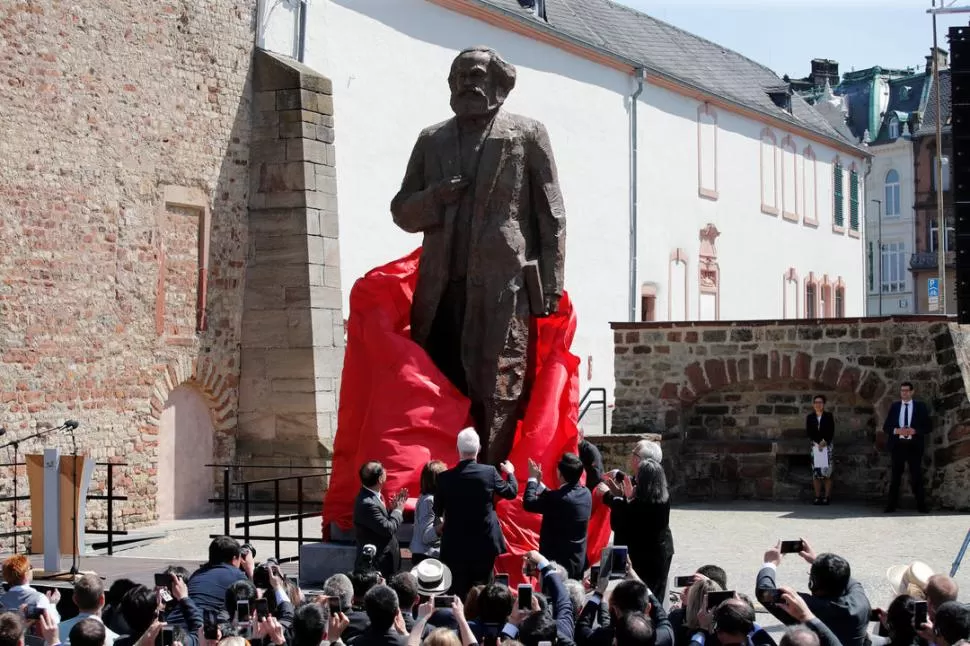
[{"x": 58, "y": 493}]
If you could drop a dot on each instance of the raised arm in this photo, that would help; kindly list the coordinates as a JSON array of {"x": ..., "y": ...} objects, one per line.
[{"x": 373, "y": 518}]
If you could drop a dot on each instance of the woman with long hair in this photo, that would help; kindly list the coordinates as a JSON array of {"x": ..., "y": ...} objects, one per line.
[
  {"x": 425, "y": 541},
  {"x": 640, "y": 518}
]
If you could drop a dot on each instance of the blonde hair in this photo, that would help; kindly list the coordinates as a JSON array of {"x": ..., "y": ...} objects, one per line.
[
  {"x": 442, "y": 637},
  {"x": 696, "y": 596},
  {"x": 233, "y": 641}
]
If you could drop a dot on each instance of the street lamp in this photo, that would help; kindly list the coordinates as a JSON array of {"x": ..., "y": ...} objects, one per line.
[{"x": 879, "y": 245}]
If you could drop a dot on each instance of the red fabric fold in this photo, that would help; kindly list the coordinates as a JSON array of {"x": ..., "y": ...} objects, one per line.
[{"x": 397, "y": 407}]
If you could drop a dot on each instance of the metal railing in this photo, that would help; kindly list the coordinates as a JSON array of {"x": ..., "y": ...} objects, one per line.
[
  {"x": 248, "y": 501},
  {"x": 587, "y": 402},
  {"x": 108, "y": 496}
]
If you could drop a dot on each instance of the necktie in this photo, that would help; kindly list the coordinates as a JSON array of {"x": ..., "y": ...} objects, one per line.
[{"x": 906, "y": 414}]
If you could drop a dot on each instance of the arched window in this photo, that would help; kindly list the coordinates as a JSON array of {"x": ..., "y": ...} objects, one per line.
[
  {"x": 840, "y": 299},
  {"x": 811, "y": 297},
  {"x": 891, "y": 205},
  {"x": 769, "y": 172}
]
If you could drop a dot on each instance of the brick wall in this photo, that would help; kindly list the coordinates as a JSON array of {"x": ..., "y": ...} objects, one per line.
[
  {"x": 110, "y": 106},
  {"x": 730, "y": 400}
]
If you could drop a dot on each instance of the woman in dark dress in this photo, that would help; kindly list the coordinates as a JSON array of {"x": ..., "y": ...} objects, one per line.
[
  {"x": 820, "y": 427},
  {"x": 640, "y": 518}
]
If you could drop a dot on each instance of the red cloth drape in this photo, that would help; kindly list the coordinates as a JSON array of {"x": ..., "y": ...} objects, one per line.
[{"x": 397, "y": 407}]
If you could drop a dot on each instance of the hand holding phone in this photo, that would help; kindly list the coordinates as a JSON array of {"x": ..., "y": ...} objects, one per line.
[
  {"x": 262, "y": 608},
  {"x": 525, "y": 596},
  {"x": 684, "y": 581},
  {"x": 618, "y": 566},
  {"x": 243, "y": 613},
  {"x": 768, "y": 595},
  {"x": 444, "y": 601},
  {"x": 714, "y": 599},
  {"x": 920, "y": 613},
  {"x": 792, "y": 547}
]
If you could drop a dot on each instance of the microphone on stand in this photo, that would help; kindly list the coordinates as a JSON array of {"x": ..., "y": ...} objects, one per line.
[
  {"x": 3, "y": 431},
  {"x": 71, "y": 424}
]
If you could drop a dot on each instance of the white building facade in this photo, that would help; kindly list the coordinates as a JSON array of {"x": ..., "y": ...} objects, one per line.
[
  {"x": 891, "y": 228},
  {"x": 740, "y": 212}
]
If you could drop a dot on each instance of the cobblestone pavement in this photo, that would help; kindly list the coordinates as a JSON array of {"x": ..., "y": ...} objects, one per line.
[{"x": 734, "y": 536}]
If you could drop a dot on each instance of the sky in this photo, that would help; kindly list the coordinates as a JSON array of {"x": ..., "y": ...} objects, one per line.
[{"x": 786, "y": 35}]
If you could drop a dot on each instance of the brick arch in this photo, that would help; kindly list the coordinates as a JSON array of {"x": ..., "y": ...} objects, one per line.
[
  {"x": 709, "y": 375},
  {"x": 202, "y": 374}
]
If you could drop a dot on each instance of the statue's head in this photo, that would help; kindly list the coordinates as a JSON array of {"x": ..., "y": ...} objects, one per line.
[{"x": 480, "y": 81}]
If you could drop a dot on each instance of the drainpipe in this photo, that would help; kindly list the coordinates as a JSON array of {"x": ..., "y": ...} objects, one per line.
[
  {"x": 634, "y": 99},
  {"x": 301, "y": 36}
]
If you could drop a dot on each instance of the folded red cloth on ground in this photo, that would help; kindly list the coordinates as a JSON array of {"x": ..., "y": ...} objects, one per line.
[{"x": 396, "y": 406}]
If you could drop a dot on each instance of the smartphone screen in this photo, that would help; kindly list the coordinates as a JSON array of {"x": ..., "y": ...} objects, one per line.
[
  {"x": 768, "y": 595},
  {"x": 334, "y": 604},
  {"x": 502, "y": 579},
  {"x": 919, "y": 613},
  {"x": 684, "y": 581},
  {"x": 243, "y": 613},
  {"x": 594, "y": 574},
  {"x": 714, "y": 599},
  {"x": 165, "y": 636},
  {"x": 444, "y": 601},
  {"x": 792, "y": 547},
  {"x": 618, "y": 566},
  {"x": 262, "y": 608},
  {"x": 525, "y": 596}
]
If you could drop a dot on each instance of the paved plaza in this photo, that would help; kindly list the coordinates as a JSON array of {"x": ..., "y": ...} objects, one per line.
[{"x": 733, "y": 536}]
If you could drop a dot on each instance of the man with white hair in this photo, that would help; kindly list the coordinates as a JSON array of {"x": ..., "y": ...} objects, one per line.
[{"x": 470, "y": 534}]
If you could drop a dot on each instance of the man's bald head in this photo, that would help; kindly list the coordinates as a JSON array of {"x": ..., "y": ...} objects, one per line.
[
  {"x": 799, "y": 636},
  {"x": 939, "y": 589}
]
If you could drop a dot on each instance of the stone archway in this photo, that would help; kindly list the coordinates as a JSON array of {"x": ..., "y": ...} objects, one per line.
[
  {"x": 747, "y": 440},
  {"x": 192, "y": 411},
  {"x": 185, "y": 445}
]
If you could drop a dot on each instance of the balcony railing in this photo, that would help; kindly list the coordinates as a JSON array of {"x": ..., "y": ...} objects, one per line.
[{"x": 930, "y": 259}]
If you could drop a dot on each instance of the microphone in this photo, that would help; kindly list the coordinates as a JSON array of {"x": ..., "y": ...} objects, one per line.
[
  {"x": 71, "y": 424},
  {"x": 3, "y": 431}
]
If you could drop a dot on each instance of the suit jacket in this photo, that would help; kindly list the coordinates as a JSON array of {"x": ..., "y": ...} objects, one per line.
[
  {"x": 371, "y": 637},
  {"x": 518, "y": 217},
  {"x": 919, "y": 422},
  {"x": 586, "y": 635},
  {"x": 375, "y": 525},
  {"x": 565, "y": 521},
  {"x": 847, "y": 615},
  {"x": 592, "y": 461},
  {"x": 465, "y": 496},
  {"x": 820, "y": 430}
]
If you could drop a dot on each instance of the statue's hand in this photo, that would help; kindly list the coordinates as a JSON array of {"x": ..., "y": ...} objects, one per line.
[
  {"x": 448, "y": 191},
  {"x": 552, "y": 304}
]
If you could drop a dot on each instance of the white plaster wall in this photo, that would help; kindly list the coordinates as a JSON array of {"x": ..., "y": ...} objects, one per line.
[
  {"x": 754, "y": 249},
  {"x": 898, "y": 156},
  {"x": 389, "y": 62}
]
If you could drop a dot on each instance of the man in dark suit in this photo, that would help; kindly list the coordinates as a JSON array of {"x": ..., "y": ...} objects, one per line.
[
  {"x": 835, "y": 598},
  {"x": 374, "y": 524},
  {"x": 465, "y": 498},
  {"x": 386, "y": 622},
  {"x": 906, "y": 426},
  {"x": 565, "y": 514},
  {"x": 592, "y": 461}
]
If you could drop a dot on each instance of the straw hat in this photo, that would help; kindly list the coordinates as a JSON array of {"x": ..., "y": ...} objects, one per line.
[
  {"x": 433, "y": 577},
  {"x": 910, "y": 579}
]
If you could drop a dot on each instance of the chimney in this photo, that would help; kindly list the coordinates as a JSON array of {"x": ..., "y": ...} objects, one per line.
[
  {"x": 940, "y": 55},
  {"x": 824, "y": 70}
]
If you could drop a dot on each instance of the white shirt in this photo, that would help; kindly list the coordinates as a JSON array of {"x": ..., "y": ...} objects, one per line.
[
  {"x": 65, "y": 629},
  {"x": 905, "y": 414}
]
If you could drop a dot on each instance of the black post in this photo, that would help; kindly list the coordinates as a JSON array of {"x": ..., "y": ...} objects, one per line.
[
  {"x": 245, "y": 512},
  {"x": 16, "y": 501},
  {"x": 604, "y": 412},
  {"x": 299, "y": 513},
  {"x": 111, "y": 507},
  {"x": 75, "y": 553},
  {"x": 276, "y": 512},
  {"x": 225, "y": 500}
]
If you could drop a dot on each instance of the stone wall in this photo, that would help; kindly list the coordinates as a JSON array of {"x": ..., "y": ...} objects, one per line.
[
  {"x": 124, "y": 190},
  {"x": 730, "y": 399},
  {"x": 292, "y": 330}
]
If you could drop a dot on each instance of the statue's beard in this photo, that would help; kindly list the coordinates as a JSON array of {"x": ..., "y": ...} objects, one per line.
[{"x": 473, "y": 103}]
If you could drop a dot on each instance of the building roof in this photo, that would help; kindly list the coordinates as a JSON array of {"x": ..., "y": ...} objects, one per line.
[
  {"x": 928, "y": 125},
  {"x": 674, "y": 53}
]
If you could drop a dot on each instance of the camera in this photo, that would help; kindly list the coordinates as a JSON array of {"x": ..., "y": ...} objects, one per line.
[{"x": 261, "y": 574}]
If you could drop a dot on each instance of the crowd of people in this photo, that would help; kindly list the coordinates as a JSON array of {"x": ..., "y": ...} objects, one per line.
[{"x": 453, "y": 596}]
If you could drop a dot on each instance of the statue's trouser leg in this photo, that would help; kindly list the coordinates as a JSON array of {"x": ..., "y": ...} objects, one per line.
[{"x": 504, "y": 408}]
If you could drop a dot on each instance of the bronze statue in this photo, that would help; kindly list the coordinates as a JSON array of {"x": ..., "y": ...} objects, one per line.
[{"x": 483, "y": 189}]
